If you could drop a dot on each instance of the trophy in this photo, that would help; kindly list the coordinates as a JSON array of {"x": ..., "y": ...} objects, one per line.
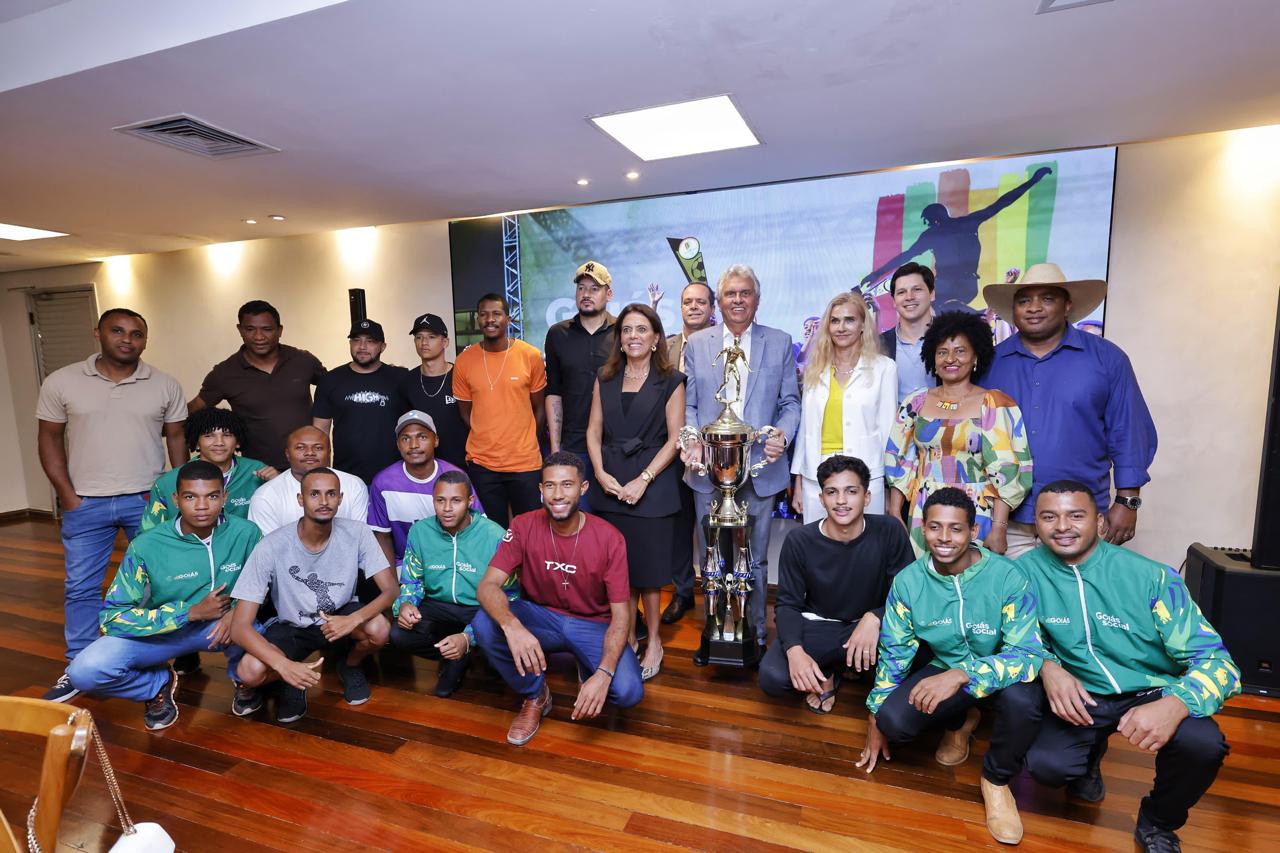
[{"x": 728, "y": 637}]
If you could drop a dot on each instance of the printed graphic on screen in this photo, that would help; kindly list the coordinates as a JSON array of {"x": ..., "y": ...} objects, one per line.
[{"x": 974, "y": 224}]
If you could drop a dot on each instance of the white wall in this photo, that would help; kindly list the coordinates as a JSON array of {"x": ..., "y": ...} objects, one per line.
[{"x": 1192, "y": 300}]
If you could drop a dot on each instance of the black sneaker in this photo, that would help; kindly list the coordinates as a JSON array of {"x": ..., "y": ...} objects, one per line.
[
  {"x": 355, "y": 687},
  {"x": 246, "y": 701},
  {"x": 451, "y": 674},
  {"x": 291, "y": 705},
  {"x": 1090, "y": 788},
  {"x": 61, "y": 691},
  {"x": 187, "y": 664},
  {"x": 1153, "y": 839},
  {"x": 161, "y": 711}
]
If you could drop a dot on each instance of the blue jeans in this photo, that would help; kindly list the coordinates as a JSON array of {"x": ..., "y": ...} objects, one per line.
[
  {"x": 88, "y": 535},
  {"x": 761, "y": 512},
  {"x": 583, "y": 638},
  {"x": 135, "y": 667},
  {"x": 584, "y": 502}
]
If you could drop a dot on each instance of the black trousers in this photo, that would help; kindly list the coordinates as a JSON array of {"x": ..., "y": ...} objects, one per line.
[
  {"x": 498, "y": 489},
  {"x": 1185, "y": 767},
  {"x": 822, "y": 641},
  {"x": 439, "y": 620},
  {"x": 1018, "y": 710},
  {"x": 682, "y": 555}
]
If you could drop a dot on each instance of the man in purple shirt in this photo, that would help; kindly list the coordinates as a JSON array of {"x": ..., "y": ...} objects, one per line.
[
  {"x": 402, "y": 493},
  {"x": 1085, "y": 416}
]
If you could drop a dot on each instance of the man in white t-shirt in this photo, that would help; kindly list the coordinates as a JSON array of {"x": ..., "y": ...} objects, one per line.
[{"x": 275, "y": 503}]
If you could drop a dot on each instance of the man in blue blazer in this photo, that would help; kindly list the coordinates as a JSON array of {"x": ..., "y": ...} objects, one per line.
[{"x": 771, "y": 398}]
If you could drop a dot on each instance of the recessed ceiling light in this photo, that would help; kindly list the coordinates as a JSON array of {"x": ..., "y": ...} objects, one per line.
[
  {"x": 632, "y": 175},
  {"x": 677, "y": 130},
  {"x": 250, "y": 222},
  {"x": 582, "y": 182},
  {"x": 21, "y": 232},
  {"x": 277, "y": 217}
]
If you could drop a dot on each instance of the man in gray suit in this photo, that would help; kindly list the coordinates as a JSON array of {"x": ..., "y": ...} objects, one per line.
[{"x": 771, "y": 398}]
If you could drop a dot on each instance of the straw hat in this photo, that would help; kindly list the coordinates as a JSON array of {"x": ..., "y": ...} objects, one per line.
[{"x": 1085, "y": 294}]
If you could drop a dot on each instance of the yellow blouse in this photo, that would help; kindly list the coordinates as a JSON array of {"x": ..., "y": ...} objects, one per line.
[{"x": 833, "y": 418}]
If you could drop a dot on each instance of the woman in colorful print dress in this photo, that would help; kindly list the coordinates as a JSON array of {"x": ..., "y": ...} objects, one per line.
[{"x": 958, "y": 434}]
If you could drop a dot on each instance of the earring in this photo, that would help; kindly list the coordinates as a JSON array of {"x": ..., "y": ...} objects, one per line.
[{"x": 653, "y": 348}]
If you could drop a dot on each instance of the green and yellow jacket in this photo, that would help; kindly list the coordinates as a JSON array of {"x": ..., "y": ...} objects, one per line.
[
  {"x": 981, "y": 621},
  {"x": 164, "y": 573},
  {"x": 240, "y": 483},
  {"x": 1121, "y": 622}
]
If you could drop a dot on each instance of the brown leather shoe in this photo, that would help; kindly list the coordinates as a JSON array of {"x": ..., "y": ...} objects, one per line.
[
  {"x": 529, "y": 717},
  {"x": 954, "y": 748},
  {"x": 1003, "y": 820}
]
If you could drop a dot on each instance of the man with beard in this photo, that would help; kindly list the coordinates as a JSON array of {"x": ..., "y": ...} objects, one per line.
[
  {"x": 429, "y": 389},
  {"x": 361, "y": 401},
  {"x": 575, "y": 350},
  {"x": 1129, "y": 651},
  {"x": 572, "y": 569},
  {"x": 500, "y": 384},
  {"x": 911, "y": 287},
  {"x": 100, "y": 423},
  {"x": 267, "y": 383},
  {"x": 697, "y": 312},
  {"x": 444, "y": 557},
  {"x": 311, "y": 569},
  {"x": 168, "y": 599},
  {"x": 275, "y": 504}
]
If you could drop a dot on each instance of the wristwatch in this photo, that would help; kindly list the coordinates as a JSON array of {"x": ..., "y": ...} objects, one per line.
[
  {"x": 646, "y": 476},
  {"x": 1129, "y": 502}
]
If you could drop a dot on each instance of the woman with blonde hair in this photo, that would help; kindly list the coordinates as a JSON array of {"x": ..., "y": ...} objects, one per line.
[{"x": 848, "y": 403}]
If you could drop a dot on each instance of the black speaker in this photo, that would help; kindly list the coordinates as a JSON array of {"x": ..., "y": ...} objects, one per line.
[
  {"x": 1266, "y": 524},
  {"x": 355, "y": 297},
  {"x": 1242, "y": 603}
]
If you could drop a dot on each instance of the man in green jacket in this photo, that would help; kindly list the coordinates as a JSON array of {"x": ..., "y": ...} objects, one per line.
[
  {"x": 977, "y": 612},
  {"x": 445, "y": 555},
  {"x": 1128, "y": 651},
  {"x": 169, "y": 598}
]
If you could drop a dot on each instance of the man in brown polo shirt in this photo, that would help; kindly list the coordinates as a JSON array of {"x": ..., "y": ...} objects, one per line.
[
  {"x": 267, "y": 383},
  {"x": 100, "y": 423}
]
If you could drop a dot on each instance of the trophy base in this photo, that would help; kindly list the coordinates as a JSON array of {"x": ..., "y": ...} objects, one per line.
[{"x": 743, "y": 653}]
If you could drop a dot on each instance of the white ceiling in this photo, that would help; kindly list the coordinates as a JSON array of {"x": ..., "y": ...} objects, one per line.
[{"x": 401, "y": 110}]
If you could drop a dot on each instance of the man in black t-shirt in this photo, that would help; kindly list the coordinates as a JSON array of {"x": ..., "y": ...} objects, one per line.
[
  {"x": 833, "y": 578},
  {"x": 361, "y": 402},
  {"x": 430, "y": 389}
]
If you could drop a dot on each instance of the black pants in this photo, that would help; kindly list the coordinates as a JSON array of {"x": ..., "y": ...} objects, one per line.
[
  {"x": 682, "y": 555},
  {"x": 498, "y": 489},
  {"x": 1185, "y": 767},
  {"x": 1018, "y": 710},
  {"x": 822, "y": 641},
  {"x": 439, "y": 620}
]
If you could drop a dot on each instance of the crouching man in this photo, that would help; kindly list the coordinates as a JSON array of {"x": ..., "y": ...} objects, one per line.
[{"x": 311, "y": 567}]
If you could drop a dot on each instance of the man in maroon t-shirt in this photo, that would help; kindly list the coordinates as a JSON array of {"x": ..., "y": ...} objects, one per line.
[{"x": 577, "y": 595}]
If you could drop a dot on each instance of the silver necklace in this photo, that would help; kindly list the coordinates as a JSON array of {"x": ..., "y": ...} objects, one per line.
[
  {"x": 484, "y": 354},
  {"x": 556, "y": 549},
  {"x": 444, "y": 377},
  {"x": 627, "y": 373}
]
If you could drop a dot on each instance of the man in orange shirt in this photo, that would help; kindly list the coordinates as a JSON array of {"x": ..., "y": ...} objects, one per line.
[{"x": 500, "y": 385}]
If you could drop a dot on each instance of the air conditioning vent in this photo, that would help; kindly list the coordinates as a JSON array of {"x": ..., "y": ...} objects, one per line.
[{"x": 196, "y": 137}]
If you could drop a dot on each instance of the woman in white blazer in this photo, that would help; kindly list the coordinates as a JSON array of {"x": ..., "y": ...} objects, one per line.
[{"x": 848, "y": 403}]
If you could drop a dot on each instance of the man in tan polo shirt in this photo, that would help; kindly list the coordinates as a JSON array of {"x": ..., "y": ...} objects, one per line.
[{"x": 100, "y": 425}]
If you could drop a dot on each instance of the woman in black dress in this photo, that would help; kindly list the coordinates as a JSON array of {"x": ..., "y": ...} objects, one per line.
[{"x": 637, "y": 409}]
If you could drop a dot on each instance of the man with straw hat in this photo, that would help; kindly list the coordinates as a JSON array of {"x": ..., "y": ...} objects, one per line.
[{"x": 1085, "y": 416}]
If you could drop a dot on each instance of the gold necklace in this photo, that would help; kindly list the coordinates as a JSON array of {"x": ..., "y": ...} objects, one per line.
[
  {"x": 953, "y": 405},
  {"x": 484, "y": 354}
]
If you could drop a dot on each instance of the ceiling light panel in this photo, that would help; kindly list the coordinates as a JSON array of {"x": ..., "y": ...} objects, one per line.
[
  {"x": 21, "y": 232},
  {"x": 678, "y": 130}
]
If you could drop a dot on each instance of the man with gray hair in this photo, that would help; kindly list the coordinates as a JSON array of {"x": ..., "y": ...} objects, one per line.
[{"x": 769, "y": 396}]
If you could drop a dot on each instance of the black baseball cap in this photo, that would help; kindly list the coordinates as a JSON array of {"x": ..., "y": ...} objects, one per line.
[
  {"x": 430, "y": 323},
  {"x": 372, "y": 328}
]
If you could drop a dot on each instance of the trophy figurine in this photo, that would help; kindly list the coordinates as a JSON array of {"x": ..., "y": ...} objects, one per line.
[{"x": 728, "y": 637}]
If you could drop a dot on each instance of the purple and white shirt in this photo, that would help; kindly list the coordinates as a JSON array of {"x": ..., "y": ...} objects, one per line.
[{"x": 397, "y": 499}]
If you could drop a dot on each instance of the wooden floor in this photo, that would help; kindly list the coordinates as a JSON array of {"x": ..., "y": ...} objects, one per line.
[{"x": 705, "y": 761}]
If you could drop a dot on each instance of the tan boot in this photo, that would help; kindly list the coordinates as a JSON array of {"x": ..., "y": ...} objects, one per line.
[
  {"x": 954, "y": 748},
  {"x": 1003, "y": 820}
]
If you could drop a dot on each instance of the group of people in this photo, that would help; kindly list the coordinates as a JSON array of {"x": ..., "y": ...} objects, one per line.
[{"x": 924, "y": 459}]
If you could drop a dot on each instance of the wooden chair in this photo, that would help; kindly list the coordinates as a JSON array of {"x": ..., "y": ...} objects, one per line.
[{"x": 68, "y": 732}]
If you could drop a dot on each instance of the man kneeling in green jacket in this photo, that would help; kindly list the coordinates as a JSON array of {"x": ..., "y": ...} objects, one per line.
[
  {"x": 977, "y": 612},
  {"x": 444, "y": 558},
  {"x": 1127, "y": 650},
  {"x": 169, "y": 598}
]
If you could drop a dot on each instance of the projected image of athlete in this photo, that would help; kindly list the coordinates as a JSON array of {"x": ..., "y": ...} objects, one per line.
[{"x": 954, "y": 243}]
